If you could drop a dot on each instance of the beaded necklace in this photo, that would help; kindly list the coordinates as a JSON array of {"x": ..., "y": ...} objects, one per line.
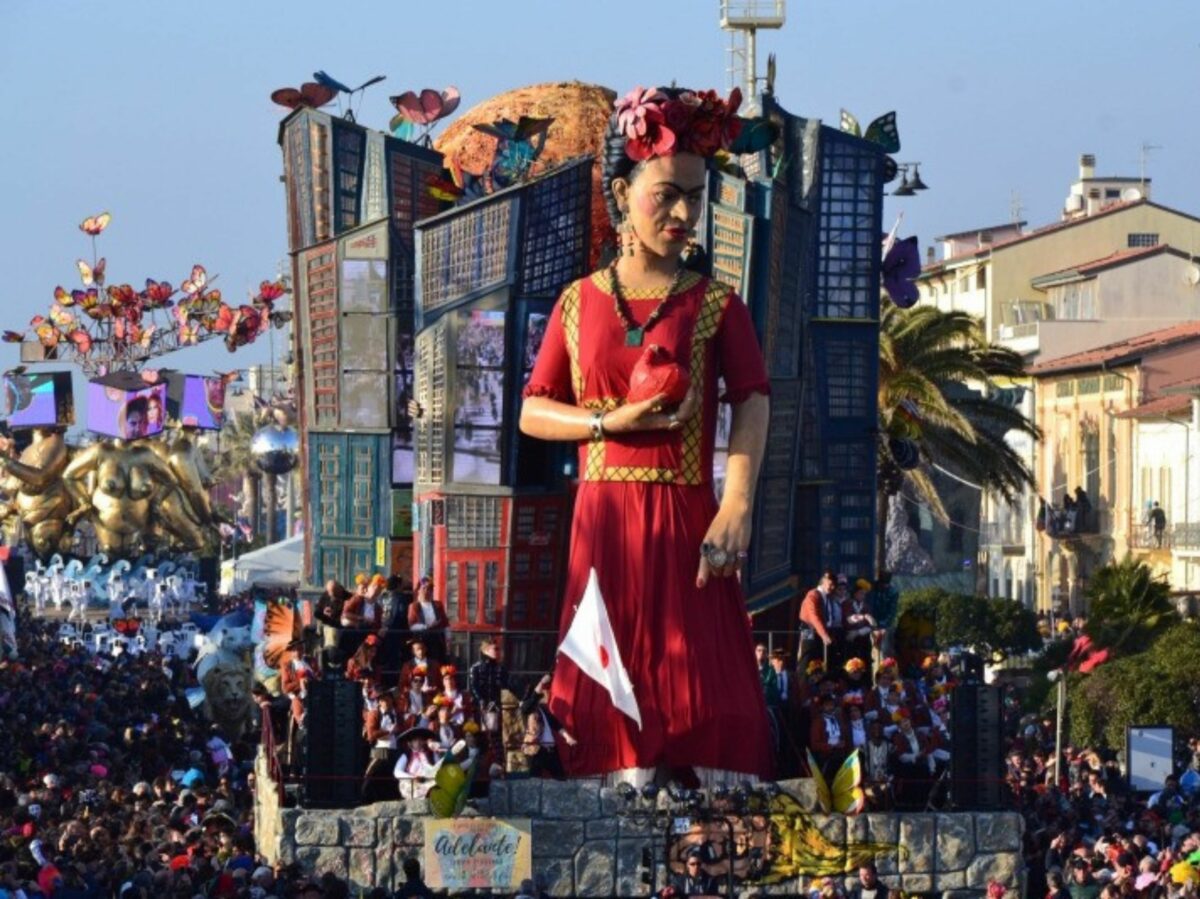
[{"x": 634, "y": 333}]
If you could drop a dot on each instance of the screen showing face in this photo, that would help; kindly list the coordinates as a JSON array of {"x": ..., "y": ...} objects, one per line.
[
  {"x": 33, "y": 401},
  {"x": 197, "y": 402},
  {"x": 128, "y": 414}
]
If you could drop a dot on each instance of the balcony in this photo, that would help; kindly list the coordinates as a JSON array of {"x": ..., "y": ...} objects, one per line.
[
  {"x": 1181, "y": 537},
  {"x": 1066, "y": 524},
  {"x": 1006, "y": 534}
]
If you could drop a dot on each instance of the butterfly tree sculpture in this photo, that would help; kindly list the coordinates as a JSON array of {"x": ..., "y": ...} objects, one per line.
[
  {"x": 113, "y": 327},
  {"x": 417, "y": 113}
]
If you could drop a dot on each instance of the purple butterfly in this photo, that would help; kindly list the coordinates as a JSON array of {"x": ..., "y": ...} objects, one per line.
[{"x": 900, "y": 266}]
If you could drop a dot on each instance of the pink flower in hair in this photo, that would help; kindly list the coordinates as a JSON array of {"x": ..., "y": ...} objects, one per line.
[{"x": 640, "y": 119}]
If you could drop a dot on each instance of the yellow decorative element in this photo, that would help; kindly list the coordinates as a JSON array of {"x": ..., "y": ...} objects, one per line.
[
  {"x": 602, "y": 281},
  {"x": 800, "y": 849},
  {"x": 570, "y": 322}
]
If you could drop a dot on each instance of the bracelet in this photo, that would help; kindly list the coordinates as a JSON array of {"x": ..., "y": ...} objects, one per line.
[{"x": 596, "y": 425}]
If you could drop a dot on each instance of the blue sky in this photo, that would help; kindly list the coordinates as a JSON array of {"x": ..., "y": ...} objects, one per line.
[{"x": 159, "y": 111}]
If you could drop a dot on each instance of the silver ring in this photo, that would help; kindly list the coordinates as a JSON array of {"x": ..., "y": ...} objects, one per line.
[
  {"x": 717, "y": 557},
  {"x": 673, "y": 419},
  {"x": 743, "y": 556}
]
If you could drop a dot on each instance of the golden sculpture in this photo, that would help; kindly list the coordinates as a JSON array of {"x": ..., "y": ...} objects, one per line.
[{"x": 37, "y": 497}]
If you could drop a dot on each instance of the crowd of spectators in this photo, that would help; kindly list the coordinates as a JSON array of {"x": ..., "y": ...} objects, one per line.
[{"x": 113, "y": 785}]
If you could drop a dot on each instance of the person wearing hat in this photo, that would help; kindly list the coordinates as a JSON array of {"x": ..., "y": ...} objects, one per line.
[
  {"x": 460, "y": 704},
  {"x": 694, "y": 881},
  {"x": 427, "y": 616},
  {"x": 860, "y": 622},
  {"x": 828, "y": 736}
]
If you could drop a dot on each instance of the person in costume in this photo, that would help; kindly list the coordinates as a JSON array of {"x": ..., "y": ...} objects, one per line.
[
  {"x": 427, "y": 616},
  {"x": 665, "y": 553}
]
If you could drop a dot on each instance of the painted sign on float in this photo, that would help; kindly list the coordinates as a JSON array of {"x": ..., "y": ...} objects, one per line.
[{"x": 477, "y": 853}]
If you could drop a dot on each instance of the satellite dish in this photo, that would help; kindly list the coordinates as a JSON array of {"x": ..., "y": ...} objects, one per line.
[
  {"x": 1130, "y": 194},
  {"x": 1191, "y": 275}
]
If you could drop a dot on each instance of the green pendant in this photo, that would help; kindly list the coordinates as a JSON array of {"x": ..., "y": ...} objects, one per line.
[{"x": 633, "y": 337}]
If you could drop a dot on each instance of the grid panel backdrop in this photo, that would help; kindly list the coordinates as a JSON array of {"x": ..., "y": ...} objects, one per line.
[
  {"x": 556, "y": 211},
  {"x": 465, "y": 255}
]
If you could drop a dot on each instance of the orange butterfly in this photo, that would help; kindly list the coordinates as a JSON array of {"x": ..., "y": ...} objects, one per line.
[
  {"x": 93, "y": 225},
  {"x": 63, "y": 297},
  {"x": 92, "y": 275},
  {"x": 270, "y": 291},
  {"x": 224, "y": 320},
  {"x": 82, "y": 340},
  {"x": 158, "y": 293},
  {"x": 122, "y": 295}
]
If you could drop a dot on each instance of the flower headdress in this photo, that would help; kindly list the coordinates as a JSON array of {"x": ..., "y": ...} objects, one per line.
[
  {"x": 449, "y": 671},
  {"x": 816, "y": 666},
  {"x": 888, "y": 664},
  {"x": 855, "y": 665},
  {"x": 419, "y": 671},
  {"x": 655, "y": 124},
  {"x": 443, "y": 702}
]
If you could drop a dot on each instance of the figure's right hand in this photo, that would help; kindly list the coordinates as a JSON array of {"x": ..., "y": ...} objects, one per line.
[{"x": 651, "y": 415}]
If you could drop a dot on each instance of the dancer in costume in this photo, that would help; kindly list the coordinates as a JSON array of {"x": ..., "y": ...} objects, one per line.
[{"x": 646, "y": 520}]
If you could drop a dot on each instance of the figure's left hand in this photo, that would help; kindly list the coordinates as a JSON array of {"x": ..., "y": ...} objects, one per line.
[{"x": 729, "y": 532}]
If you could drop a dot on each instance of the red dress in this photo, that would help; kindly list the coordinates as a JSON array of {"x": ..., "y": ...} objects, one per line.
[{"x": 644, "y": 504}]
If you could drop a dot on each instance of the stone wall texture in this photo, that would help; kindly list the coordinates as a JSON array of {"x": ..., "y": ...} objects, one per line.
[{"x": 582, "y": 847}]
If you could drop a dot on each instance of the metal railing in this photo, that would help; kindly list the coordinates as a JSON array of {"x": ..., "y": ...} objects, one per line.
[
  {"x": 1185, "y": 535},
  {"x": 1002, "y": 533}
]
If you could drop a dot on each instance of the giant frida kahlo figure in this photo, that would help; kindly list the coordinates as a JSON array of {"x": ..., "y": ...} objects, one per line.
[{"x": 647, "y": 520}]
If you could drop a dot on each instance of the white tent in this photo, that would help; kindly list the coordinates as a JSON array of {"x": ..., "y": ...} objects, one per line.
[{"x": 277, "y": 565}]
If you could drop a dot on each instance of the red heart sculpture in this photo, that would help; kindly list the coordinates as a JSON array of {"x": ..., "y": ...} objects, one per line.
[{"x": 656, "y": 372}]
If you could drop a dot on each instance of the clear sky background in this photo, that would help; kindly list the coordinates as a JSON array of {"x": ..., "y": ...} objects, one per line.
[{"x": 160, "y": 111}]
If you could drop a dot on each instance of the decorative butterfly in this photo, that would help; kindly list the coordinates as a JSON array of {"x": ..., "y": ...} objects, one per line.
[
  {"x": 93, "y": 225},
  {"x": 46, "y": 332},
  {"x": 85, "y": 298},
  {"x": 194, "y": 286},
  {"x": 845, "y": 797},
  {"x": 82, "y": 340},
  {"x": 61, "y": 316},
  {"x": 63, "y": 297},
  {"x": 901, "y": 266},
  {"x": 269, "y": 292},
  {"x": 310, "y": 95},
  {"x": 158, "y": 293},
  {"x": 13, "y": 337},
  {"x": 281, "y": 633},
  {"x": 121, "y": 295},
  {"x": 189, "y": 333},
  {"x": 92, "y": 275},
  {"x": 229, "y": 376},
  {"x": 428, "y": 106},
  {"x": 519, "y": 144},
  {"x": 881, "y": 131}
]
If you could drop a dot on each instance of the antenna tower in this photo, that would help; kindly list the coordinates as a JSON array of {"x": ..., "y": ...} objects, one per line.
[{"x": 742, "y": 19}]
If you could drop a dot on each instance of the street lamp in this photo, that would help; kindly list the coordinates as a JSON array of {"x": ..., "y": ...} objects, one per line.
[{"x": 1058, "y": 677}]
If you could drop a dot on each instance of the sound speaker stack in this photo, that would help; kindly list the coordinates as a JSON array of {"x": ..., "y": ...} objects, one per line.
[
  {"x": 976, "y": 747},
  {"x": 333, "y": 744}
]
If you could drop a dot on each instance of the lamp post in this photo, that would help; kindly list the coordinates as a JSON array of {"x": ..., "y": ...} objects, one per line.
[{"x": 1059, "y": 678}]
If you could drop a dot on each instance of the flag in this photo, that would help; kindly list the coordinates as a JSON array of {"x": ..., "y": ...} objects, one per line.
[{"x": 591, "y": 644}]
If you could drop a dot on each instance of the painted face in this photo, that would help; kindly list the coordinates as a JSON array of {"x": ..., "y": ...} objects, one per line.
[{"x": 663, "y": 201}]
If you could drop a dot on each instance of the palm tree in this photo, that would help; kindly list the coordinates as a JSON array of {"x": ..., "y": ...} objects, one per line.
[
  {"x": 937, "y": 376},
  {"x": 236, "y": 461},
  {"x": 1128, "y": 605}
]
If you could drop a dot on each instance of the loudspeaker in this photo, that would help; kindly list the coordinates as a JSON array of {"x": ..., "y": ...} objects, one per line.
[
  {"x": 976, "y": 747},
  {"x": 333, "y": 744}
]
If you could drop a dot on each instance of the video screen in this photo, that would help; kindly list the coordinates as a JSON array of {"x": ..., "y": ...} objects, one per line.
[
  {"x": 476, "y": 455},
  {"x": 364, "y": 285},
  {"x": 196, "y": 401},
  {"x": 481, "y": 338},
  {"x": 114, "y": 410},
  {"x": 39, "y": 401}
]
